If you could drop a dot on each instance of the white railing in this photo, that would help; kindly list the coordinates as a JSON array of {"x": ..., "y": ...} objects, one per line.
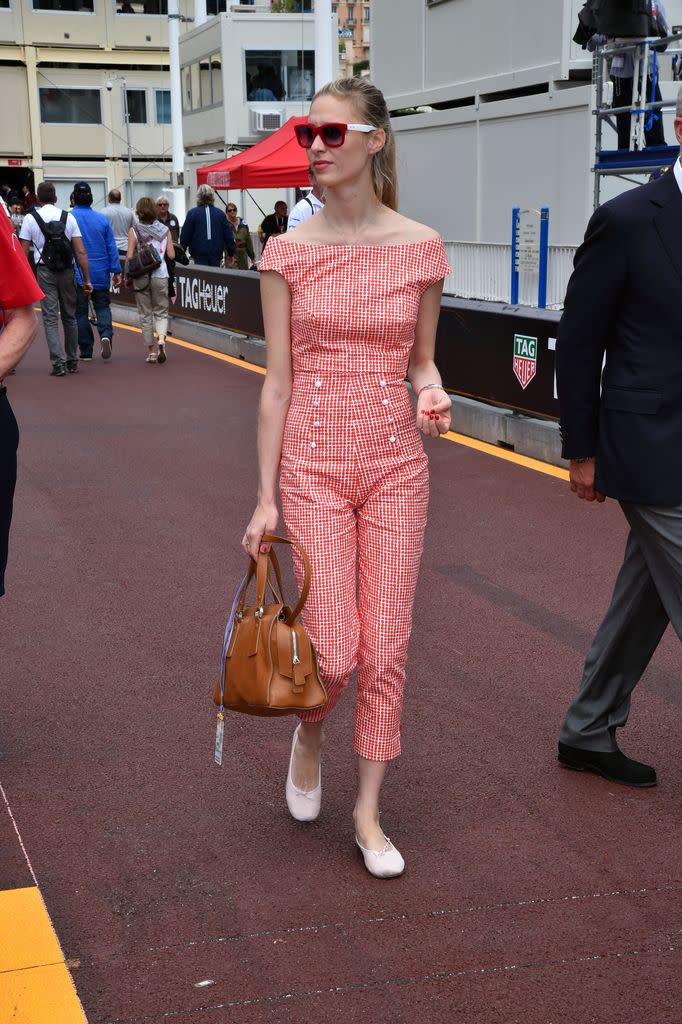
[{"x": 483, "y": 271}]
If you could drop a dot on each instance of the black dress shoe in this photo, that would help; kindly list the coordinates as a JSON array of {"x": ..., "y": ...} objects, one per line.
[{"x": 613, "y": 765}]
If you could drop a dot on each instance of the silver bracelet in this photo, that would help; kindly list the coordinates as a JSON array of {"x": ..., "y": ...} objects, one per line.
[{"x": 427, "y": 387}]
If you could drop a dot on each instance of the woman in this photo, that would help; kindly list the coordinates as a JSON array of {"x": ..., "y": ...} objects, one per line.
[
  {"x": 242, "y": 239},
  {"x": 349, "y": 300},
  {"x": 151, "y": 290}
]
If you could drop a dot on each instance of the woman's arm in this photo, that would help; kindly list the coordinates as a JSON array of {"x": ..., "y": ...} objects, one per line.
[
  {"x": 433, "y": 405},
  {"x": 170, "y": 248},
  {"x": 132, "y": 242},
  {"x": 274, "y": 405}
]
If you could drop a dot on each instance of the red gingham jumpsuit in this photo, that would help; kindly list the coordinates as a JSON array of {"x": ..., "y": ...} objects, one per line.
[{"x": 354, "y": 476}]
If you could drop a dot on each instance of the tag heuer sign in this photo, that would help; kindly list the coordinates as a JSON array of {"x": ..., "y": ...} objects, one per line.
[{"x": 525, "y": 358}]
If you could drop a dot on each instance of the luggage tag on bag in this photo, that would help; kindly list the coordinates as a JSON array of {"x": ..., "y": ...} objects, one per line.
[
  {"x": 219, "y": 734},
  {"x": 220, "y": 723}
]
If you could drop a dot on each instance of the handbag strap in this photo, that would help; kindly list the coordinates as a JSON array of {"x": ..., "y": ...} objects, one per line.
[{"x": 271, "y": 538}]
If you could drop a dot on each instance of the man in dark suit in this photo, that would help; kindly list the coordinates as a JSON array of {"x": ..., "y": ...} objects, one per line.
[{"x": 626, "y": 443}]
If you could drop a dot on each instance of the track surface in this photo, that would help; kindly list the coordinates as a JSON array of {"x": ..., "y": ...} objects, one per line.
[{"x": 532, "y": 894}]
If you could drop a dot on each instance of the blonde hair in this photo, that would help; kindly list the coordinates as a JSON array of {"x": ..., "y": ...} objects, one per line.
[{"x": 372, "y": 108}]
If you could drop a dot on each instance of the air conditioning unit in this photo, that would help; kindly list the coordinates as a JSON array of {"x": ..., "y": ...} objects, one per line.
[{"x": 266, "y": 120}]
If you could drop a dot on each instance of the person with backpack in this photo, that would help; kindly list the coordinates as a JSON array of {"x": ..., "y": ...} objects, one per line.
[
  {"x": 309, "y": 205},
  {"x": 56, "y": 238}
]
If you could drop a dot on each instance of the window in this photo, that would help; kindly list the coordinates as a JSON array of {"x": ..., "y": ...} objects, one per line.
[
  {"x": 142, "y": 7},
  {"x": 77, "y": 6},
  {"x": 366, "y": 15},
  {"x": 219, "y": 6},
  {"x": 70, "y": 106},
  {"x": 276, "y": 75},
  {"x": 216, "y": 79},
  {"x": 146, "y": 187},
  {"x": 350, "y": 16},
  {"x": 195, "y": 85},
  {"x": 137, "y": 105},
  {"x": 202, "y": 83},
  {"x": 4, "y": 5},
  {"x": 64, "y": 188},
  {"x": 163, "y": 106},
  {"x": 186, "y": 88}
]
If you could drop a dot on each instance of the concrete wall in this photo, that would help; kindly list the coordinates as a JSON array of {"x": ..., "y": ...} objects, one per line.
[
  {"x": 231, "y": 34},
  {"x": 68, "y": 50},
  {"x": 463, "y": 169}
]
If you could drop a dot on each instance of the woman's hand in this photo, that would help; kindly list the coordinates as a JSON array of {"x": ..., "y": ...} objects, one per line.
[
  {"x": 263, "y": 520},
  {"x": 433, "y": 412}
]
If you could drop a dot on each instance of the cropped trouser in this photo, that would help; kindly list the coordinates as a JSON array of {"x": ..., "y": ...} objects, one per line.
[
  {"x": 151, "y": 296},
  {"x": 362, "y": 522}
]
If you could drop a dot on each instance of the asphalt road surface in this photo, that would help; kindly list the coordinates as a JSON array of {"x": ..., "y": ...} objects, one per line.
[{"x": 182, "y": 892}]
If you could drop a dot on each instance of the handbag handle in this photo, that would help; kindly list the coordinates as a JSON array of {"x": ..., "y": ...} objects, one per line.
[
  {"x": 261, "y": 572},
  {"x": 271, "y": 538}
]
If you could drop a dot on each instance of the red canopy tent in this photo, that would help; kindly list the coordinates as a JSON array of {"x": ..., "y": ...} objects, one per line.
[{"x": 276, "y": 162}]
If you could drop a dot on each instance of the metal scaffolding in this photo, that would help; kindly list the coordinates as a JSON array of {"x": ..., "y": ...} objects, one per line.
[{"x": 638, "y": 159}]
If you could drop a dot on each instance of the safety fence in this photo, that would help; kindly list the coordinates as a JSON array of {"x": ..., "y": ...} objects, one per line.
[{"x": 483, "y": 271}]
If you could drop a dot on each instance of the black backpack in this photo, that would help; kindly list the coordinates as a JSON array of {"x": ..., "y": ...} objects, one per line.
[{"x": 57, "y": 253}]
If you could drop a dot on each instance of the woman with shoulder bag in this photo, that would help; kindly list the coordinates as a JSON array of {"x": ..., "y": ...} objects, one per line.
[
  {"x": 243, "y": 254},
  {"x": 150, "y": 287},
  {"x": 351, "y": 301}
]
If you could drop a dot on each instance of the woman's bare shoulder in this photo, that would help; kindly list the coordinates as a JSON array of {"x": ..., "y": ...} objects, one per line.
[{"x": 412, "y": 230}]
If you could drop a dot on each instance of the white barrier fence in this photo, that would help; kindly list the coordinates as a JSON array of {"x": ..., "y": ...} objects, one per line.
[{"x": 483, "y": 271}]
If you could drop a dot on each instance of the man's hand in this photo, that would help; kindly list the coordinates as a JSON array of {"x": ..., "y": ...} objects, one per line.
[
  {"x": 87, "y": 287},
  {"x": 581, "y": 475},
  {"x": 117, "y": 280}
]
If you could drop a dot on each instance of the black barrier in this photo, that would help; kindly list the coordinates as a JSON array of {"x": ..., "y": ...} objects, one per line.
[
  {"x": 223, "y": 298},
  {"x": 499, "y": 354}
]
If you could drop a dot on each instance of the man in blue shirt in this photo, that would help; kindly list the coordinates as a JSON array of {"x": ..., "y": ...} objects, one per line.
[
  {"x": 103, "y": 259},
  {"x": 207, "y": 232}
]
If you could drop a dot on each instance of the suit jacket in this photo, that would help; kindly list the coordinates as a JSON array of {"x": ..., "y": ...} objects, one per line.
[{"x": 623, "y": 302}]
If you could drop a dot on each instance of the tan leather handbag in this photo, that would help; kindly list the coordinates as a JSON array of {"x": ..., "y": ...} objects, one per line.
[{"x": 268, "y": 665}]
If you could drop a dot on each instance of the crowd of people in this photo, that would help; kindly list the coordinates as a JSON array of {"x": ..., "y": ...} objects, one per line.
[{"x": 80, "y": 254}]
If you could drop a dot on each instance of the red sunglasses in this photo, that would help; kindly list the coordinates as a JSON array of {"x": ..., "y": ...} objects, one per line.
[{"x": 333, "y": 135}]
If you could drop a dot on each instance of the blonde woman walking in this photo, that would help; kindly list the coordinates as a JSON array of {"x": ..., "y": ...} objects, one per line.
[
  {"x": 151, "y": 290},
  {"x": 351, "y": 301}
]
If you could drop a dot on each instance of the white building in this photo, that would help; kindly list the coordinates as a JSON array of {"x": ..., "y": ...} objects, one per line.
[
  {"x": 510, "y": 120},
  {"x": 66, "y": 67},
  {"x": 244, "y": 73}
]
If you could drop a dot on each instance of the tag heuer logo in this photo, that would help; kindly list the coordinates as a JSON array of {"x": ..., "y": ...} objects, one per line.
[{"x": 525, "y": 358}]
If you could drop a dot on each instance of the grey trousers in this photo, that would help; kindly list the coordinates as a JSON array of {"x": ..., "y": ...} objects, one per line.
[
  {"x": 60, "y": 296},
  {"x": 647, "y": 596}
]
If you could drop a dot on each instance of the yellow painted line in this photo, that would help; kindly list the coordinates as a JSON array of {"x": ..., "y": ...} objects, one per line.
[
  {"x": 35, "y": 984},
  {"x": 467, "y": 442},
  {"x": 502, "y": 453},
  {"x": 200, "y": 348}
]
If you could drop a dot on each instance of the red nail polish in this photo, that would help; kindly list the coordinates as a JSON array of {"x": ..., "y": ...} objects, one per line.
[
  {"x": 263, "y": 548},
  {"x": 437, "y": 417}
]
